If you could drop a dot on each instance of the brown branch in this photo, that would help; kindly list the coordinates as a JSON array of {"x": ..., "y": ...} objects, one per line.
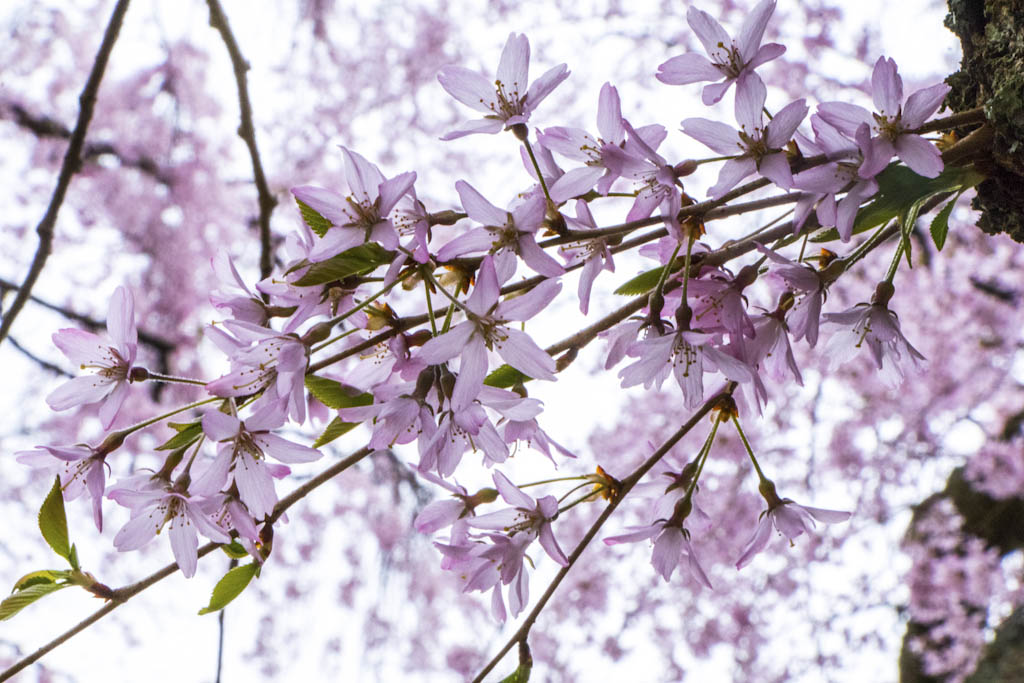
[
  {"x": 122, "y": 595},
  {"x": 71, "y": 164},
  {"x": 45, "y": 364},
  {"x": 247, "y": 132},
  {"x": 159, "y": 343},
  {"x": 46, "y": 127}
]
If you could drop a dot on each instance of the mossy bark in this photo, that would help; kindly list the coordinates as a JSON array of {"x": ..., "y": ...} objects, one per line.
[{"x": 991, "y": 75}]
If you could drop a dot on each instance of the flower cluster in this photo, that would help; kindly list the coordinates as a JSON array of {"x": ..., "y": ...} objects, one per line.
[{"x": 451, "y": 366}]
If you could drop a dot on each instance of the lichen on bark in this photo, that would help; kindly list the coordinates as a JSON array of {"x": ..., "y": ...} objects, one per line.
[{"x": 991, "y": 75}]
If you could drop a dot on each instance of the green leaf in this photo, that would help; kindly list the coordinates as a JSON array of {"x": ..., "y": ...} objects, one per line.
[
  {"x": 335, "y": 394},
  {"x": 520, "y": 675},
  {"x": 53, "y": 523},
  {"x": 186, "y": 436},
  {"x": 334, "y": 430},
  {"x": 43, "y": 576},
  {"x": 644, "y": 282},
  {"x": 314, "y": 220},
  {"x": 355, "y": 261},
  {"x": 940, "y": 224},
  {"x": 234, "y": 550},
  {"x": 899, "y": 188},
  {"x": 506, "y": 376},
  {"x": 230, "y": 587},
  {"x": 23, "y": 598}
]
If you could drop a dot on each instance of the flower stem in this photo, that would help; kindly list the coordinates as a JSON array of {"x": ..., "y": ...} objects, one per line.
[
  {"x": 175, "y": 379},
  {"x": 159, "y": 418},
  {"x": 536, "y": 166},
  {"x": 750, "y": 451}
]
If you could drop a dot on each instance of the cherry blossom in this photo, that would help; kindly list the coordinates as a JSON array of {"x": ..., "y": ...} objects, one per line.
[
  {"x": 733, "y": 59},
  {"x": 892, "y": 126},
  {"x": 111, "y": 355},
  {"x": 504, "y": 103}
]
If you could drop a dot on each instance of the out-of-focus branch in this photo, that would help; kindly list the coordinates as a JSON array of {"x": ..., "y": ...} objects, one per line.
[
  {"x": 71, "y": 164},
  {"x": 160, "y": 344},
  {"x": 122, "y": 595},
  {"x": 46, "y": 127},
  {"x": 247, "y": 132},
  {"x": 45, "y": 364}
]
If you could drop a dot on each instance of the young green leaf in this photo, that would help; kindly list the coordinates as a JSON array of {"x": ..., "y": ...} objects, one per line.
[
  {"x": 23, "y": 598},
  {"x": 336, "y": 428},
  {"x": 520, "y": 675},
  {"x": 53, "y": 523},
  {"x": 940, "y": 224},
  {"x": 40, "y": 577},
  {"x": 186, "y": 436},
  {"x": 230, "y": 587},
  {"x": 234, "y": 550},
  {"x": 335, "y": 394},
  {"x": 314, "y": 220},
  {"x": 355, "y": 261},
  {"x": 505, "y": 377}
]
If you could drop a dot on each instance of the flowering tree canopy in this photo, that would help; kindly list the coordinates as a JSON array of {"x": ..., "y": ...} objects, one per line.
[{"x": 362, "y": 350}]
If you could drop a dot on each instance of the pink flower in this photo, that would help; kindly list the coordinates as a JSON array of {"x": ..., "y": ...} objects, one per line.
[
  {"x": 876, "y": 327},
  {"x": 505, "y": 234},
  {"x": 788, "y": 518},
  {"x": 604, "y": 156},
  {"x": 275, "y": 364},
  {"x": 671, "y": 545},
  {"x": 734, "y": 59},
  {"x": 503, "y": 102},
  {"x": 156, "y": 505},
  {"x": 593, "y": 253},
  {"x": 486, "y": 329},
  {"x": 111, "y": 355},
  {"x": 760, "y": 147},
  {"x": 362, "y": 216},
  {"x": 891, "y": 125},
  {"x": 242, "y": 451},
  {"x": 80, "y": 469},
  {"x": 528, "y": 516}
]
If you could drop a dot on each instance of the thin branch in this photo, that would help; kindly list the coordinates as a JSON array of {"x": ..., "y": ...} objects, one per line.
[
  {"x": 122, "y": 595},
  {"x": 45, "y": 364},
  {"x": 71, "y": 164},
  {"x": 46, "y": 127},
  {"x": 627, "y": 485},
  {"x": 247, "y": 132},
  {"x": 158, "y": 343}
]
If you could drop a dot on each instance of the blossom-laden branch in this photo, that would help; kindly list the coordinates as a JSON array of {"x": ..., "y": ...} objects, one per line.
[
  {"x": 247, "y": 132},
  {"x": 122, "y": 595},
  {"x": 70, "y": 165},
  {"x": 627, "y": 484}
]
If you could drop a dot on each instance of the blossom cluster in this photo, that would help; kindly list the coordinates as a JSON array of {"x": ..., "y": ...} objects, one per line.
[{"x": 434, "y": 378}]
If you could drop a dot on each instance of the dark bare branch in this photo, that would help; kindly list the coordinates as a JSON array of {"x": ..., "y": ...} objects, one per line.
[
  {"x": 71, "y": 164},
  {"x": 247, "y": 132}
]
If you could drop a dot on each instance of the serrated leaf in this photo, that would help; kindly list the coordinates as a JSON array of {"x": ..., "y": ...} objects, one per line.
[
  {"x": 335, "y": 394},
  {"x": 505, "y": 377},
  {"x": 234, "y": 550},
  {"x": 186, "y": 436},
  {"x": 314, "y": 220},
  {"x": 230, "y": 587},
  {"x": 940, "y": 224},
  {"x": 336, "y": 428},
  {"x": 40, "y": 577},
  {"x": 22, "y": 599},
  {"x": 355, "y": 261},
  {"x": 53, "y": 523}
]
